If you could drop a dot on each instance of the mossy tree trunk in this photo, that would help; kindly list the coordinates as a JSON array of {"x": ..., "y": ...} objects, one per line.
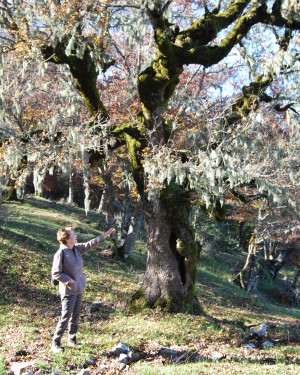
[
  {"x": 170, "y": 274},
  {"x": 169, "y": 281},
  {"x": 172, "y": 250}
]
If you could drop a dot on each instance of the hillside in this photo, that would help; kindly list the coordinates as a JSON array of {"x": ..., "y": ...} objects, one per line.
[{"x": 216, "y": 342}]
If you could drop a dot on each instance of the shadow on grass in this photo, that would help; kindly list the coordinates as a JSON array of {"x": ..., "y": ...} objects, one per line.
[
  {"x": 36, "y": 244},
  {"x": 91, "y": 216},
  {"x": 215, "y": 285},
  {"x": 16, "y": 292}
]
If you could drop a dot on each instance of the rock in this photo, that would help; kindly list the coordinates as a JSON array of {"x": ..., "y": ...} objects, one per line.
[
  {"x": 18, "y": 368},
  {"x": 120, "y": 348},
  {"x": 260, "y": 332},
  {"x": 99, "y": 304},
  {"x": 168, "y": 353},
  {"x": 123, "y": 358},
  {"x": 268, "y": 344},
  {"x": 133, "y": 357},
  {"x": 216, "y": 356},
  {"x": 92, "y": 309},
  {"x": 90, "y": 362}
]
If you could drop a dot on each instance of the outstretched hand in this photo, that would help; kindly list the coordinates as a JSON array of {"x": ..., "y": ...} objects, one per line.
[{"x": 111, "y": 231}]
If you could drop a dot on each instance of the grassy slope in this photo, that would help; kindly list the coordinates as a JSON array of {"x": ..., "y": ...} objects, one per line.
[{"x": 30, "y": 306}]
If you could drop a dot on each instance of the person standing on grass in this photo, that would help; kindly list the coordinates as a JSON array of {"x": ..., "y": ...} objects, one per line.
[{"x": 67, "y": 268}]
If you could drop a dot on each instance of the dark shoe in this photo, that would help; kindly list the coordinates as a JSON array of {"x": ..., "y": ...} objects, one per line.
[{"x": 56, "y": 348}]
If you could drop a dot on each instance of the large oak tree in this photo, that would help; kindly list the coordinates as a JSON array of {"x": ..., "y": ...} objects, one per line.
[{"x": 170, "y": 171}]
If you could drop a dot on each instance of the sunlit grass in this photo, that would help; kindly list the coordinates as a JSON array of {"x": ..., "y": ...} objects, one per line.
[
  {"x": 30, "y": 306},
  {"x": 215, "y": 368}
]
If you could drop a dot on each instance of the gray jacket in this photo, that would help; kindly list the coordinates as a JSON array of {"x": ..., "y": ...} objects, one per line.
[{"x": 68, "y": 264}]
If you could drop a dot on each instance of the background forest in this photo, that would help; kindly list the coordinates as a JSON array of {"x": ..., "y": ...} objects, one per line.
[{"x": 178, "y": 121}]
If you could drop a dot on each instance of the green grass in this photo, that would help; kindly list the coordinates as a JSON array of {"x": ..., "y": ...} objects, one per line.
[
  {"x": 216, "y": 368},
  {"x": 30, "y": 306}
]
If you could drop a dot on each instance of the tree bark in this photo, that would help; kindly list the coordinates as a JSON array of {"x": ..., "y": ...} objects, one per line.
[
  {"x": 245, "y": 233},
  {"x": 108, "y": 206},
  {"x": 274, "y": 265},
  {"x": 131, "y": 222},
  {"x": 169, "y": 281},
  {"x": 247, "y": 278},
  {"x": 12, "y": 192}
]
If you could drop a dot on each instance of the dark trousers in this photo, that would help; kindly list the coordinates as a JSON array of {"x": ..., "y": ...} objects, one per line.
[{"x": 70, "y": 312}]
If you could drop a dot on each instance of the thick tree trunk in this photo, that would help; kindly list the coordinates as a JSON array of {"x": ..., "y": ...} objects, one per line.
[
  {"x": 170, "y": 277},
  {"x": 166, "y": 275}
]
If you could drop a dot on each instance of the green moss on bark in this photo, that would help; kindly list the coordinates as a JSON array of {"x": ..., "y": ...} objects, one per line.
[
  {"x": 134, "y": 136},
  {"x": 157, "y": 83},
  {"x": 178, "y": 210},
  {"x": 174, "y": 304},
  {"x": 166, "y": 303},
  {"x": 135, "y": 149},
  {"x": 84, "y": 73},
  {"x": 250, "y": 99},
  {"x": 138, "y": 301},
  {"x": 207, "y": 28}
]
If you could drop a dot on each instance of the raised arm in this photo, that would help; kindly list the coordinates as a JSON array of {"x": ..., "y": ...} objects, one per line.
[{"x": 86, "y": 246}]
